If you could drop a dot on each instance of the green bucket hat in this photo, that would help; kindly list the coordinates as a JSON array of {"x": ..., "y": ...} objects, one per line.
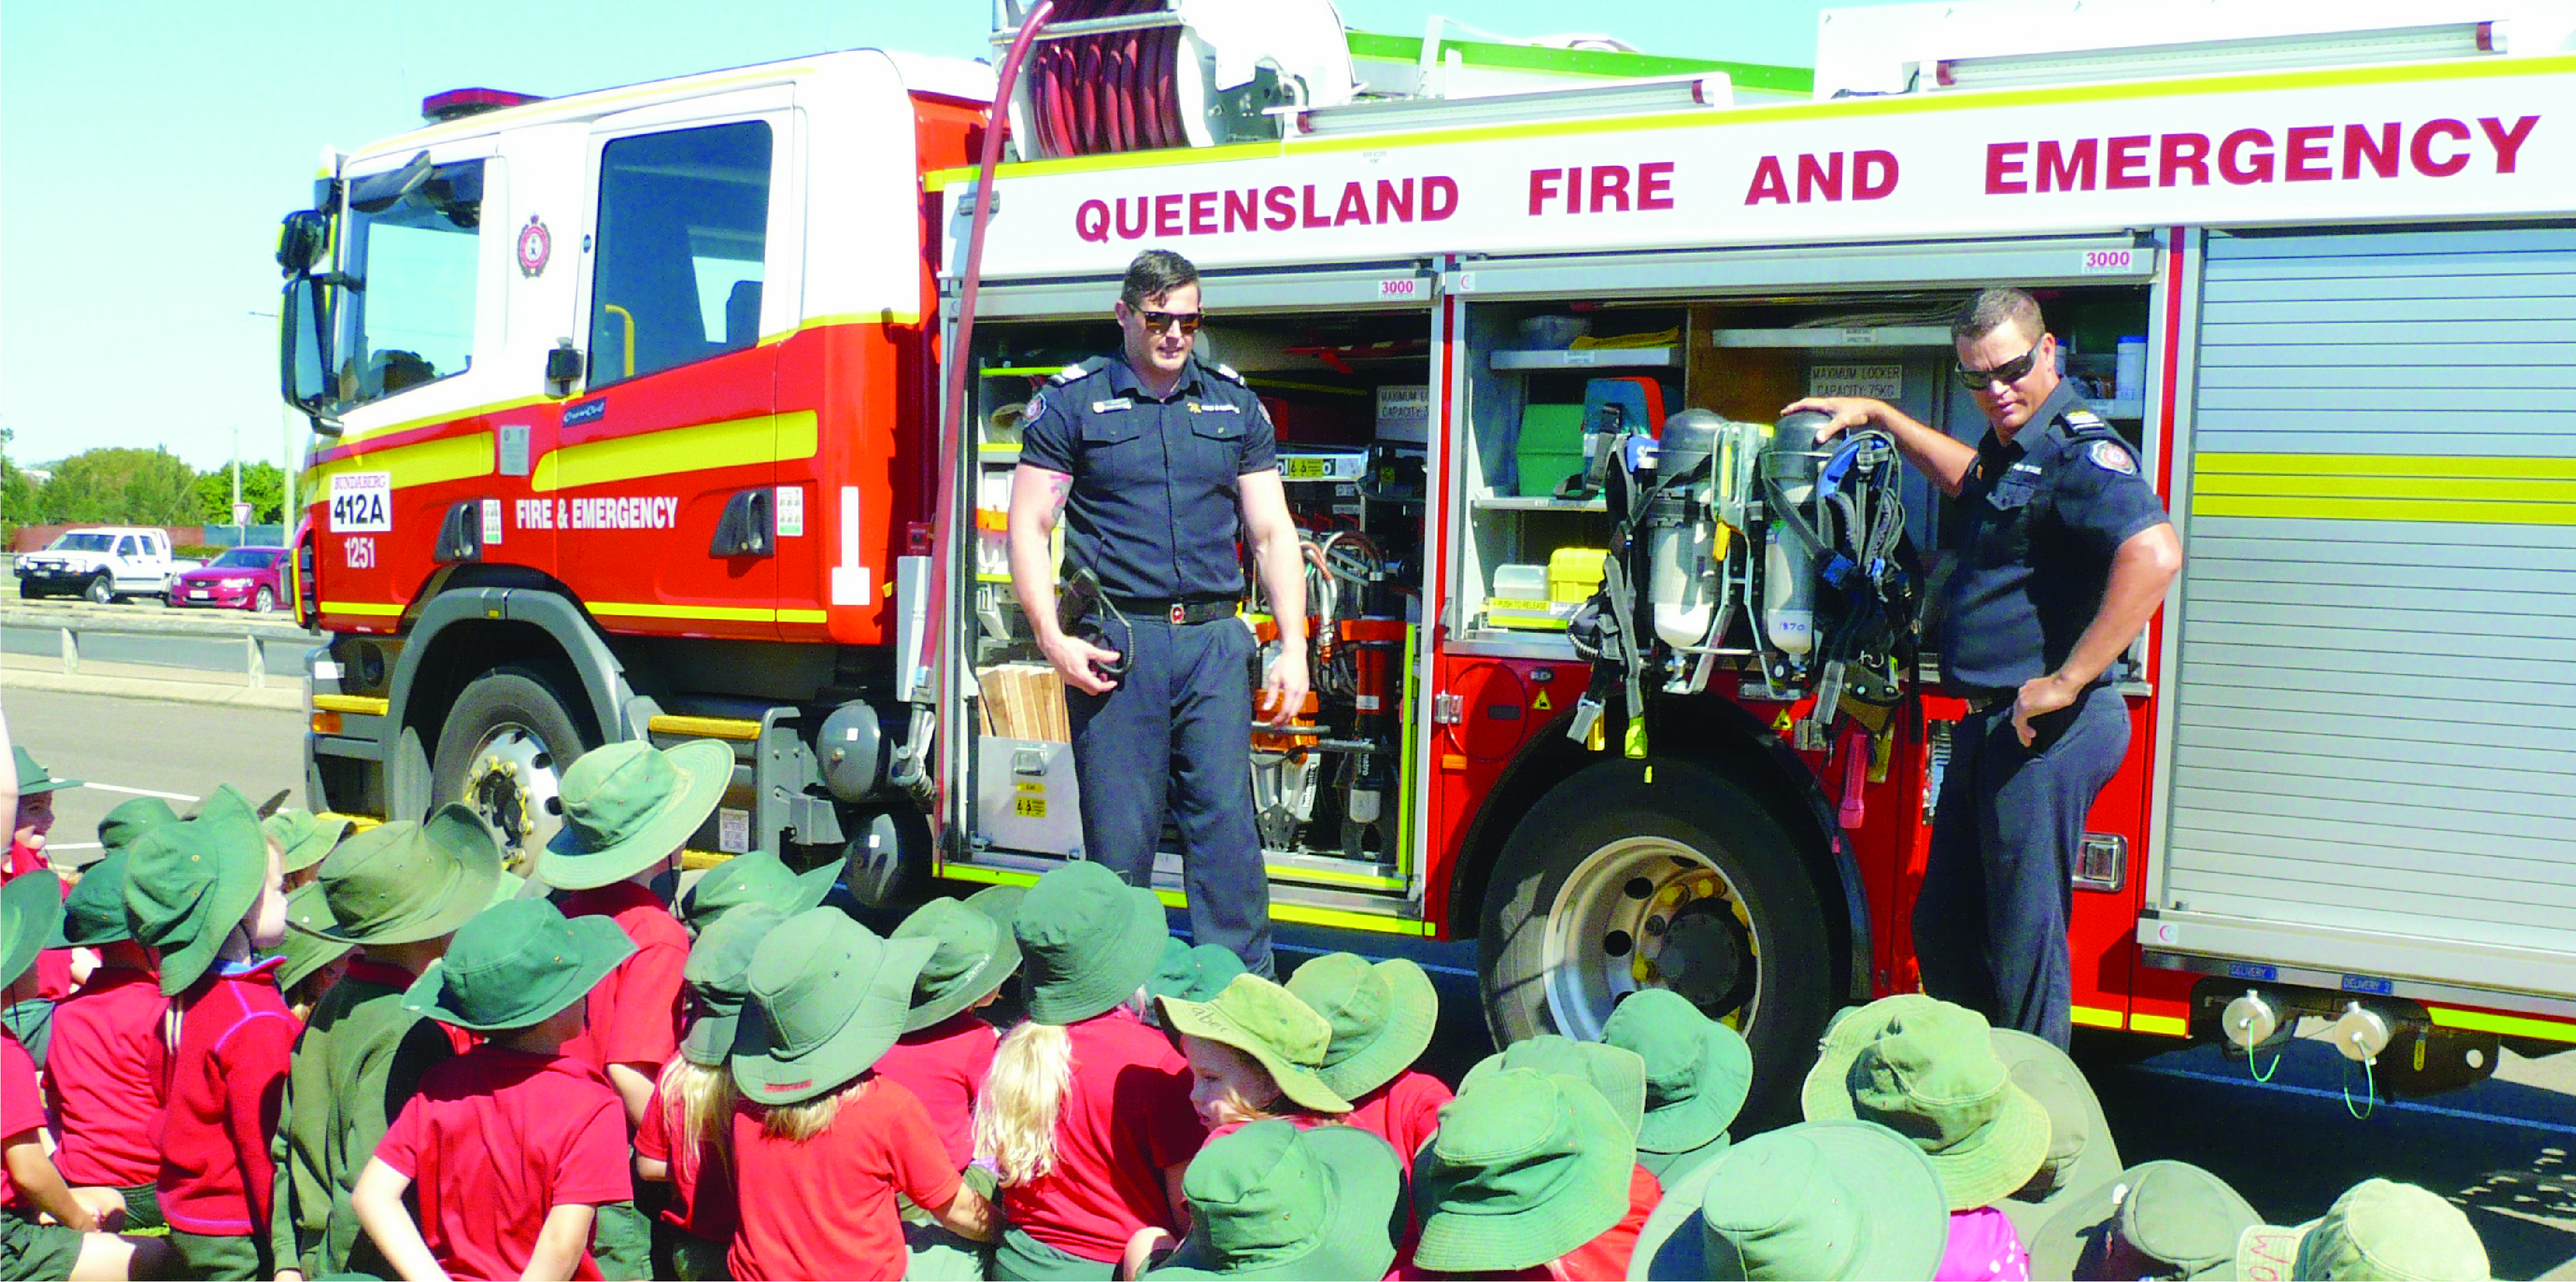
[
  {"x": 1382, "y": 1016},
  {"x": 302, "y": 836},
  {"x": 1088, "y": 942},
  {"x": 33, "y": 778},
  {"x": 2378, "y": 1231},
  {"x": 1193, "y": 974},
  {"x": 403, "y": 882},
  {"x": 1930, "y": 1072},
  {"x": 132, "y": 819},
  {"x": 94, "y": 914},
  {"x": 1698, "y": 1071},
  {"x": 1272, "y": 1201},
  {"x": 719, "y": 978},
  {"x": 974, "y": 952},
  {"x": 826, "y": 999},
  {"x": 760, "y": 877},
  {"x": 1619, "y": 1074},
  {"x": 516, "y": 964},
  {"x": 189, "y": 883},
  {"x": 2081, "y": 1152},
  {"x": 1268, "y": 1023},
  {"x": 2156, "y": 1220},
  {"x": 31, "y": 911},
  {"x": 307, "y": 949},
  {"x": 628, "y": 805},
  {"x": 1830, "y": 1201},
  {"x": 1525, "y": 1167}
]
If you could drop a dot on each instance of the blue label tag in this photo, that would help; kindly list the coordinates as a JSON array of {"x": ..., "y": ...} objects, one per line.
[
  {"x": 2253, "y": 971},
  {"x": 2372, "y": 985},
  {"x": 589, "y": 411}
]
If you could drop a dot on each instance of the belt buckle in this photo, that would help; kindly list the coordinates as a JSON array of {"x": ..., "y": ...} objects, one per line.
[{"x": 1179, "y": 613}]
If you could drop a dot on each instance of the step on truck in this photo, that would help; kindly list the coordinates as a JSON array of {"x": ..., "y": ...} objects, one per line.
[{"x": 688, "y": 410}]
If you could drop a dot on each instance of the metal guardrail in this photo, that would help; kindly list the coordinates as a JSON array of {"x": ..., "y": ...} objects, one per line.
[{"x": 75, "y": 622}]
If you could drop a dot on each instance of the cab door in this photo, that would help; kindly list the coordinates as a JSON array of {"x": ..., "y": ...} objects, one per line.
[{"x": 663, "y": 469}]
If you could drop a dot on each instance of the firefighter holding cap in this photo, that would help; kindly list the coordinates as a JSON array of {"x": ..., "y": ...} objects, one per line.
[
  {"x": 2063, "y": 552},
  {"x": 1158, "y": 462}
]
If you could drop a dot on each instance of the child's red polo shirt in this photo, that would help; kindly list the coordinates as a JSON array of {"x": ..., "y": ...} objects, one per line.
[
  {"x": 1404, "y": 1112},
  {"x": 53, "y": 965},
  {"x": 702, "y": 1195},
  {"x": 825, "y": 1208},
  {"x": 1606, "y": 1257},
  {"x": 108, "y": 1063},
  {"x": 494, "y": 1141},
  {"x": 22, "y": 1107},
  {"x": 635, "y": 1013},
  {"x": 1126, "y": 1117},
  {"x": 944, "y": 1067},
  {"x": 227, "y": 1083}
]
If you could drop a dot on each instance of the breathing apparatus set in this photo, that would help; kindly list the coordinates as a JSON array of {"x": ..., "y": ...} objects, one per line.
[{"x": 1759, "y": 549}]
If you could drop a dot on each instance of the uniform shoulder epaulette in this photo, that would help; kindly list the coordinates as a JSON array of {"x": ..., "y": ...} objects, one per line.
[
  {"x": 1078, "y": 370},
  {"x": 2085, "y": 418},
  {"x": 1226, "y": 372}
]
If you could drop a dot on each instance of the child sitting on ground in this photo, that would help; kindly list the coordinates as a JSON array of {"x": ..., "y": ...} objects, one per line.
[
  {"x": 1382, "y": 1015},
  {"x": 687, "y": 1137},
  {"x": 512, "y": 1147},
  {"x": 205, "y": 892},
  {"x": 946, "y": 1051},
  {"x": 1253, "y": 1051},
  {"x": 822, "y": 1146},
  {"x": 1086, "y": 1113},
  {"x": 109, "y": 1061}
]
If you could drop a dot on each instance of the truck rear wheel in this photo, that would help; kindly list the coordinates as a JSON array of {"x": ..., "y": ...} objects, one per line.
[
  {"x": 1613, "y": 884},
  {"x": 507, "y": 740}
]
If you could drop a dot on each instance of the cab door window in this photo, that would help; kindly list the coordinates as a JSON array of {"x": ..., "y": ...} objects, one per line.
[
  {"x": 683, "y": 231},
  {"x": 407, "y": 314}
]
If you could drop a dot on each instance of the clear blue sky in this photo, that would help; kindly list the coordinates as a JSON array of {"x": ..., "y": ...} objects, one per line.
[{"x": 148, "y": 147}]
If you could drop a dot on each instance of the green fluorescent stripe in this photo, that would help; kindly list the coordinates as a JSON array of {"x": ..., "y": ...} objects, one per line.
[{"x": 1585, "y": 62}]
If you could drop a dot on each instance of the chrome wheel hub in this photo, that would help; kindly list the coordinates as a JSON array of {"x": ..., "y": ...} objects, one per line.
[
  {"x": 1649, "y": 912},
  {"x": 513, "y": 785}
]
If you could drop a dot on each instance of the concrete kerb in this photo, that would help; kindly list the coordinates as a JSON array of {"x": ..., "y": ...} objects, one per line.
[{"x": 285, "y": 698}]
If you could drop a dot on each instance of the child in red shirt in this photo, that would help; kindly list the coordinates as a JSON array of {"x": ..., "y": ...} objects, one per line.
[
  {"x": 1086, "y": 1112},
  {"x": 946, "y": 1050},
  {"x": 27, "y": 833},
  {"x": 1253, "y": 1052},
  {"x": 31, "y": 911},
  {"x": 512, "y": 1147},
  {"x": 109, "y": 1062},
  {"x": 205, "y": 893},
  {"x": 687, "y": 1136},
  {"x": 821, "y": 1145},
  {"x": 1382, "y": 1015}
]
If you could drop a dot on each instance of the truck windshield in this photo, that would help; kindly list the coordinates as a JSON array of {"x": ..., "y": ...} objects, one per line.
[
  {"x": 83, "y": 543},
  {"x": 407, "y": 318}
]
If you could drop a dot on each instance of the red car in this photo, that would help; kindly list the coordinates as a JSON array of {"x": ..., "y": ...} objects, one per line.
[{"x": 241, "y": 579}]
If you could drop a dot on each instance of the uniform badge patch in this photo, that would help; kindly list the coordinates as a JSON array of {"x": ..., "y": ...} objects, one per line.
[{"x": 2112, "y": 458}]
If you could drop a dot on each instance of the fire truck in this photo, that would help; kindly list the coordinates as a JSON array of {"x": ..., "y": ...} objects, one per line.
[{"x": 688, "y": 410}]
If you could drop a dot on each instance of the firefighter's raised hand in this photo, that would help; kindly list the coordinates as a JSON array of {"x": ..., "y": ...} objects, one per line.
[
  {"x": 1080, "y": 663},
  {"x": 1844, "y": 411}
]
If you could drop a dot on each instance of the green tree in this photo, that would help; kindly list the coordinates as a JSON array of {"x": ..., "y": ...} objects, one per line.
[
  {"x": 120, "y": 487},
  {"x": 263, "y": 486},
  {"x": 17, "y": 491}
]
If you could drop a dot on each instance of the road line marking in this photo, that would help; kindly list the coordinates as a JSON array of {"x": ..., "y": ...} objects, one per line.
[
  {"x": 73, "y": 845},
  {"x": 2410, "y": 1106},
  {"x": 143, "y": 792}
]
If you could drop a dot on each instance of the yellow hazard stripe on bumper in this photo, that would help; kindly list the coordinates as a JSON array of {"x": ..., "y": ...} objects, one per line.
[
  {"x": 699, "y": 447},
  {"x": 377, "y": 609},
  {"x": 1332, "y": 918},
  {"x": 449, "y": 458},
  {"x": 2386, "y": 487},
  {"x": 2479, "y": 1021},
  {"x": 704, "y": 727},
  {"x": 2160, "y": 1025},
  {"x": 359, "y": 704},
  {"x": 2094, "y": 1016}
]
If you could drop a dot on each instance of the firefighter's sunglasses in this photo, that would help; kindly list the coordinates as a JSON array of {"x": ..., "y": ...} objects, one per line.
[
  {"x": 1157, "y": 322},
  {"x": 2011, "y": 371}
]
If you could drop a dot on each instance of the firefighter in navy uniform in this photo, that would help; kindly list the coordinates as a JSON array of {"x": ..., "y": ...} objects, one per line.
[
  {"x": 2063, "y": 553},
  {"x": 1158, "y": 462}
]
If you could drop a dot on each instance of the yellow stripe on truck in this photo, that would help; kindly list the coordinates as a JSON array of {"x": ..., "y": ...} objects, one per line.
[
  {"x": 2479, "y": 1021},
  {"x": 699, "y": 447},
  {"x": 2386, "y": 487},
  {"x": 1333, "y": 918}
]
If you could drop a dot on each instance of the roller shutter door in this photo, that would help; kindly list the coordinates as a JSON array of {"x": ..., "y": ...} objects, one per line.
[{"x": 2375, "y": 726}]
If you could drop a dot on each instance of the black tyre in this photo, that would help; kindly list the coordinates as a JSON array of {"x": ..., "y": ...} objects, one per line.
[
  {"x": 1613, "y": 884},
  {"x": 503, "y": 750},
  {"x": 101, "y": 590},
  {"x": 28, "y": 591}
]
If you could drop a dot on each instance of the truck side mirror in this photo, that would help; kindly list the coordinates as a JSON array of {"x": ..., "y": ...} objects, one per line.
[
  {"x": 304, "y": 350},
  {"x": 301, "y": 238}
]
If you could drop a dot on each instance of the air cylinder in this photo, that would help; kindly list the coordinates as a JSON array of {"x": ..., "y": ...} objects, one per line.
[
  {"x": 1792, "y": 462},
  {"x": 1682, "y": 532}
]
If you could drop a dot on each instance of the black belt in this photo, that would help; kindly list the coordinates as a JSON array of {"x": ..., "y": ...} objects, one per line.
[{"x": 1177, "y": 612}]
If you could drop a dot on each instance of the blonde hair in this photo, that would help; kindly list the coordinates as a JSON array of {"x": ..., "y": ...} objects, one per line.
[
  {"x": 797, "y": 1123},
  {"x": 1023, "y": 1095},
  {"x": 706, "y": 1097}
]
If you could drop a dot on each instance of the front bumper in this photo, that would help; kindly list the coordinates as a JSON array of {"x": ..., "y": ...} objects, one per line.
[{"x": 215, "y": 595}]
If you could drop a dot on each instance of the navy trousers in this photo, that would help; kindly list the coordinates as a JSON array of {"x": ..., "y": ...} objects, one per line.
[
  {"x": 1176, "y": 736},
  {"x": 1990, "y": 924}
]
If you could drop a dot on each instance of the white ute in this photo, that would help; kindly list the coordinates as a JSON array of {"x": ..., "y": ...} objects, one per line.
[{"x": 103, "y": 563}]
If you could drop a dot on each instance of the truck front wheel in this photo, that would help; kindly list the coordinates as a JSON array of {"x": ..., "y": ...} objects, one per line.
[
  {"x": 100, "y": 591},
  {"x": 1614, "y": 883},
  {"x": 508, "y": 737}
]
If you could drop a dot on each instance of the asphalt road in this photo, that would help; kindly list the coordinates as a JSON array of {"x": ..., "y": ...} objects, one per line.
[{"x": 2500, "y": 1149}]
